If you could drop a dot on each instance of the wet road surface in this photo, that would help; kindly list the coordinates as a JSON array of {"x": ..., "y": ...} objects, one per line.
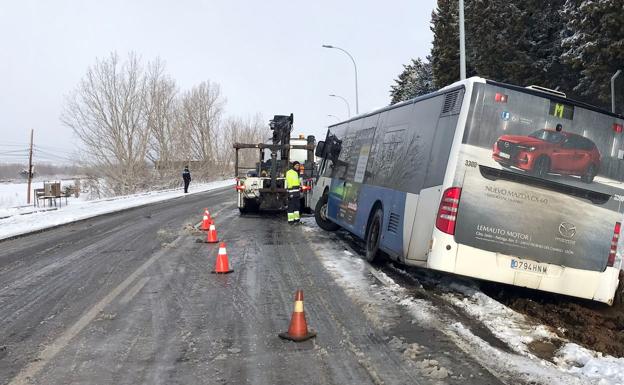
[{"x": 128, "y": 298}]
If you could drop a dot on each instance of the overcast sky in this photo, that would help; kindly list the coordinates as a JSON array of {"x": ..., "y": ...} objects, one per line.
[{"x": 266, "y": 55}]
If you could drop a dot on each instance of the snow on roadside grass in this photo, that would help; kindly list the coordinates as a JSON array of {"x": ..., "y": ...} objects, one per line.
[
  {"x": 518, "y": 332},
  {"x": 503, "y": 322},
  {"x": 574, "y": 365},
  {"x": 79, "y": 209},
  {"x": 577, "y": 359}
]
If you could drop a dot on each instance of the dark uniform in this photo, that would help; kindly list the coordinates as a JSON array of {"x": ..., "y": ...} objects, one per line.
[
  {"x": 186, "y": 176},
  {"x": 294, "y": 196}
]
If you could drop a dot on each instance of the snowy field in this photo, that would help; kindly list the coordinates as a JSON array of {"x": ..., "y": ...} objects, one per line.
[
  {"x": 16, "y": 218},
  {"x": 377, "y": 291}
]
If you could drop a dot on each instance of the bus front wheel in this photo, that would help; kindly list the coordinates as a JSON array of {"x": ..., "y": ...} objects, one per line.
[
  {"x": 320, "y": 215},
  {"x": 373, "y": 237}
]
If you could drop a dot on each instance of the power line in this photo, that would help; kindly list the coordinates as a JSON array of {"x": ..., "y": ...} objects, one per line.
[
  {"x": 45, "y": 154},
  {"x": 53, "y": 149}
]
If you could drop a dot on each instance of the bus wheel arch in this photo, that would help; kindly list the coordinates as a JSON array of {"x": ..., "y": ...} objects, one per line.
[
  {"x": 320, "y": 213},
  {"x": 374, "y": 230}
]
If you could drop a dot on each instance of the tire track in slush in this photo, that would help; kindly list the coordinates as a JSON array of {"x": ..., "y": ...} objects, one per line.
[{"x": 50, "y": 351}]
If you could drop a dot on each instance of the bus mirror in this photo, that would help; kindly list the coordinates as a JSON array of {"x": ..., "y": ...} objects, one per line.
[
  {"x": 320, "y": 149},
  {"x": 334, "y": 150}
]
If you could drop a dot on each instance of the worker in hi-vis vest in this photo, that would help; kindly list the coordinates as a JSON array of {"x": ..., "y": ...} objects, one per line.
[{"x": 294, "y": 196}]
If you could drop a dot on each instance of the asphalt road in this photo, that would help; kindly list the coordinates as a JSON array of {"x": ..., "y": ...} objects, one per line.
[{"x": 128, "y": 298}]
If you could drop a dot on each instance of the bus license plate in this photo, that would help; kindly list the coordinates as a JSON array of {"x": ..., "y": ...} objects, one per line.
[
  {"x": 529, "y": 266},
  {"x": 504, "y": 155}
]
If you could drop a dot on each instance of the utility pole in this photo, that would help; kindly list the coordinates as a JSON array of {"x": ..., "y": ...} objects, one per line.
[{"x": 30, "y": 165}]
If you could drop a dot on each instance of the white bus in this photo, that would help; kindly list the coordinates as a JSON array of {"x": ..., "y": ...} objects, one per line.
[{"x": 483, "y": 179}]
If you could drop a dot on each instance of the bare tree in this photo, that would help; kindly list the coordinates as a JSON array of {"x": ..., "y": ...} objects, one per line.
[
  {"x": 107, "y": 111},
  {"x": 250, "y": 130},
  {"x": 127, "y": 114},
  {"x": 161, "y": 103},
  {"x": 201, "y": 113}
]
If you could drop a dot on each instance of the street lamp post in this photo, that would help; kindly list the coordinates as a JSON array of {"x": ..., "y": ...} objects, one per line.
[
  {"x": 357, "y": 104},
  {"x": 346, "y": 102},
  {"x": 615, "y": 75},
  {"x": 334, "y": 116},
  {"x": 462, "y": 42}
]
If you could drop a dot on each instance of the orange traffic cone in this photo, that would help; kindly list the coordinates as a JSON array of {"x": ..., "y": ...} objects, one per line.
[
  {"x": 212, "y": 234},
  {"x": 206, "y": 220},
  {"x": 298, "y": 329},
  {"x": 222, "y": 266}
]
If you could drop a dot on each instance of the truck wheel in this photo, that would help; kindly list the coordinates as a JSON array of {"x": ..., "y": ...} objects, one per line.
[
  {"x": 248, "y": 206},
  {"x": 589, "y": 174},
  {"x": 373, "y": 237},
  {"x": 320, "y": 215}
]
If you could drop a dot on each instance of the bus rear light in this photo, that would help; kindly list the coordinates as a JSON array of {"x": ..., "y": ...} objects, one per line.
[
  {"x": 447, "y": 213},
  {"x": 618, "y": 128},
  {"x": 614, "y": 243},
  {"x": 500, "y": 98}
]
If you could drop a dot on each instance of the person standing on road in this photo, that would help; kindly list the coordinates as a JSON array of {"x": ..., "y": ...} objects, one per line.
[
  {"x": 186, "y": 177},
  {"x": 292, "y": 186}
]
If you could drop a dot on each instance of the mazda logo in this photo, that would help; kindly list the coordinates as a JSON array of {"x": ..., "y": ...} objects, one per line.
[
  {"x": 567, "y": 230},
  {"x": 506, "y": 144}
]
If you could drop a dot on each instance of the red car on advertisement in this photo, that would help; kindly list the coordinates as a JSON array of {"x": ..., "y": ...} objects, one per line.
[{"x": 549, "y": 151}]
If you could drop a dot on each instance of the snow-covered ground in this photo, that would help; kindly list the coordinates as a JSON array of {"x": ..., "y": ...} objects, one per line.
[
  {"x": 571, "y": 364},
  {"x": 17, "y": 220}
]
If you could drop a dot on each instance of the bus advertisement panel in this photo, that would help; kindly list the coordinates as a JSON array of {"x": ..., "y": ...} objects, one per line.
[{"x": 541, "y": 179}]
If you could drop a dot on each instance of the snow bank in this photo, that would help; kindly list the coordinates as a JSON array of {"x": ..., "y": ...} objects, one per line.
[
  {"x": 605, "y": 369},
  {"x": 573, "y": 364},
  {"x": 15, "y": 224}
]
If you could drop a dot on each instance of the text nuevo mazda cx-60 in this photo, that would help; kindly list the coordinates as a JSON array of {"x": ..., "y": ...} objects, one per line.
[{"x": 545, "y": 151}]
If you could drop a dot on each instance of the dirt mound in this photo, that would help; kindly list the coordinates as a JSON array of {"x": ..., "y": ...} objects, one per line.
[{"x": 596, "y": 326}]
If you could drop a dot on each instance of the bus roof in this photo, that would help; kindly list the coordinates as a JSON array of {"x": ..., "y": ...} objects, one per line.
[{"x": 476, "y": 79}]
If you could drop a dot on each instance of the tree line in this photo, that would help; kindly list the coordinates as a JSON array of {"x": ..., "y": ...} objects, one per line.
[
  {"x": 137, "y": 128},
  {"x": 571, "y": 45}
]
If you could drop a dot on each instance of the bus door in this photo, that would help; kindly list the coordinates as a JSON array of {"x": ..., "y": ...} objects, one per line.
[{"x": 350, "y": 170}]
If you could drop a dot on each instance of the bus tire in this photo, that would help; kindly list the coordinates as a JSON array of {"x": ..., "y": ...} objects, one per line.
[
  {"x": 373, "y": 237},
  {"x": 320, "y": 215},
  {"x": 618, "y": 300}
]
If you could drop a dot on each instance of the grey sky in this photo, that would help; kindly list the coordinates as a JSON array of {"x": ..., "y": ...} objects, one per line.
[{"x": 266, "y": 55}]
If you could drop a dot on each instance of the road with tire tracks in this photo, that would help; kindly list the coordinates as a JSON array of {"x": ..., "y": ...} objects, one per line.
[{"x": 128, "y": 298}]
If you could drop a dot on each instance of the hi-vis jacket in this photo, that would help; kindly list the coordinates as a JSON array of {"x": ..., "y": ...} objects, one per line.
[{"x": 292, "y": 180}]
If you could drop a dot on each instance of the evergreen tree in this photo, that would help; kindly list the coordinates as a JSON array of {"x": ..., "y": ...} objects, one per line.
[
  {"x": 415, "y": 80},
  {"x": 594, "y": 45},
  {"x": 544, "y": 24},
  {"x": 445, "y": 50},
  {"x": 501, "y": 45}
]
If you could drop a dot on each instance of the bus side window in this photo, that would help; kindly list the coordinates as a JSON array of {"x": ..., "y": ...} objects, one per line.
[
  {"x": 441, "y": 150},
  {"x": 414, "y": 166}
]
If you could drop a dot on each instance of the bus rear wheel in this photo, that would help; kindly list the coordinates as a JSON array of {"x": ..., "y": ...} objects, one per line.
[
  {"x": 373, "y": 237},
  {"x": 320, "y": 215}
]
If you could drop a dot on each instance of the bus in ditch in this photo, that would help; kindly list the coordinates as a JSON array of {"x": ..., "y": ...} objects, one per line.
[{"x": 503, "y": 183}]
